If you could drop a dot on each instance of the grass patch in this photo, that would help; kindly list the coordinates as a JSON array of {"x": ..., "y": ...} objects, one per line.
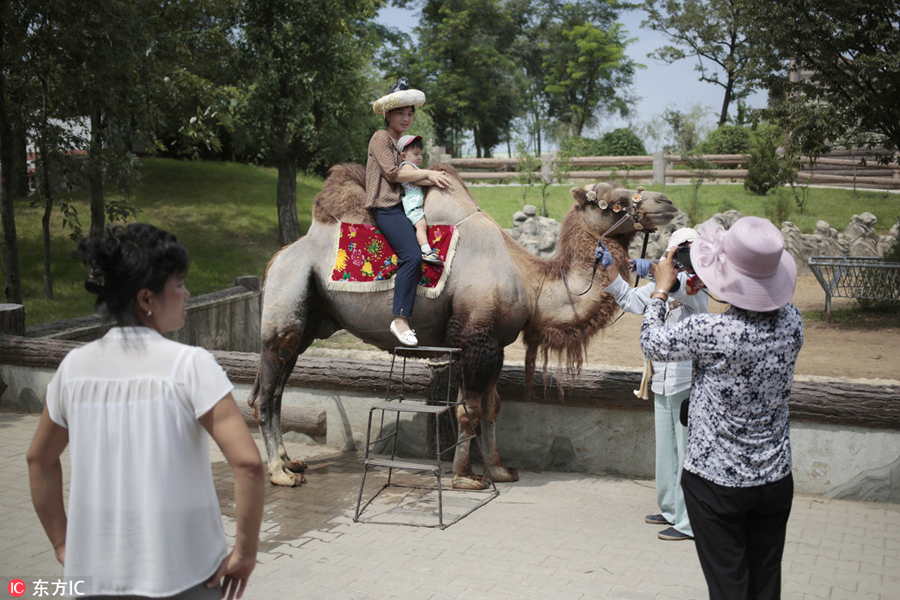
[
  {"x": 834, "y": 206},
  {"x": 225, "y": 215},
  {"x": 860, "y": 315}
]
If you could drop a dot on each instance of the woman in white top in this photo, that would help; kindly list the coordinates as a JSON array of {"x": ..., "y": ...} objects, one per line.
[
  {"x": 671, "y": 385},
  {"x": 135, "y": 409}
]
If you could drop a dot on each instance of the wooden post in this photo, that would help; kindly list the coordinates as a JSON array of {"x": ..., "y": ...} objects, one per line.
[
  {"x": 547, "y": 159},
  {"x": 12, "y": 319},
  {"x": 659, "y": 168}
]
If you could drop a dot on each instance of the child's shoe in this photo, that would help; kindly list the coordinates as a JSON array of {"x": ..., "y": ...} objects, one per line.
[{"x": 432, "y": 258}]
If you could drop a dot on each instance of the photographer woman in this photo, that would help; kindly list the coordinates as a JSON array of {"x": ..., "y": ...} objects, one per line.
[{"x": 737, "y": 472}]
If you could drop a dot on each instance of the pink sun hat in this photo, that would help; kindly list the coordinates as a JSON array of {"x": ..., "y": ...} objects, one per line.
[{"x": 747, "y": 265}]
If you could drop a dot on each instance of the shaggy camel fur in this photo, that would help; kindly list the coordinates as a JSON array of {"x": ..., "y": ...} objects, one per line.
[{"x": 495, "y": 291}]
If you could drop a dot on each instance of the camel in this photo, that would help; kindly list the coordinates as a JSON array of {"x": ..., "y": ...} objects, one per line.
[{"x": 494, "y": 291}]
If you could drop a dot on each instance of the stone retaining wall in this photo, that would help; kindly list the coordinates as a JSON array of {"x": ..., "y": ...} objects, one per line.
[{"x": 845, "y": 434}]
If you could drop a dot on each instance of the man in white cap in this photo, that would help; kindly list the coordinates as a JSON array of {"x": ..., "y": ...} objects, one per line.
[
  {"x": 737, "y": 479},
  {"x": 671, "y": 384}
]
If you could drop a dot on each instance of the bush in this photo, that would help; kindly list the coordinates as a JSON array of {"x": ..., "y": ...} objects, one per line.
[
  {"x": 892, "y": 254},
  {"x": 764, "y": 167},
  {"x": 727, "y": 139},
  {"x": 778, "y": 208},
  {"x": 621, "y": 142},
  {"x": 580, "y": 146}
]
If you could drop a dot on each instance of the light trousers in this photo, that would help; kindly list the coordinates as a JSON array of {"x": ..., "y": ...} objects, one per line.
[{"x": 671, "y": 443}]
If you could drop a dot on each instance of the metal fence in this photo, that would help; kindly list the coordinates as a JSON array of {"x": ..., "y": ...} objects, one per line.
[{"x": 860, "y": 277}]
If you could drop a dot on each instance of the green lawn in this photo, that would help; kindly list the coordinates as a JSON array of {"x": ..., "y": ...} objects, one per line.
[
  {"x": 225, "y": 215},
  {"x": 835, "y": 206}
]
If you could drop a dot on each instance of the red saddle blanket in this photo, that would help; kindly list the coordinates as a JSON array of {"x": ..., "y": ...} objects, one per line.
[{"x": 364, "y": 261}]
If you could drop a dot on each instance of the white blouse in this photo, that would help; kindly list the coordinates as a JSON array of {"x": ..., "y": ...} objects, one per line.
[
  {"x": 143, "y": 517},
  {"x": 669, "y": 377}
]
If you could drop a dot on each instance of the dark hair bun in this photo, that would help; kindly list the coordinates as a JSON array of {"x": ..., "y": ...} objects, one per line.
[{"x": 127, "y": 260}]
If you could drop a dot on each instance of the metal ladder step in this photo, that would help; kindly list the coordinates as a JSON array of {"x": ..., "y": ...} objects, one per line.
[
  {"x": 407, "y": 465},
  {"x": 413, "y": 407}
]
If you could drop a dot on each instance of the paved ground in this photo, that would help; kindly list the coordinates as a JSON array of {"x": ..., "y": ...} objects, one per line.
[{"x": 550, "y": 536}]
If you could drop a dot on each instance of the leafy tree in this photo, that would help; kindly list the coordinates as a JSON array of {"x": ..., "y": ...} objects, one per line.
[
  {"x": 465, "y": 71},
  {"x": 587, "y": 71},
  {"x": 835, "y": 65},
  {"x": 715, "y": 34},
  {"x": 303, "y": 61},
  {"x": 685, "y": 129},
  {"x": 528, "y": 169},
  {"x": 14, "y": 18}
]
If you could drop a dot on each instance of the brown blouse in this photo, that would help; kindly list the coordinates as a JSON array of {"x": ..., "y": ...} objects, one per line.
[{"x": 382, "y": 168}]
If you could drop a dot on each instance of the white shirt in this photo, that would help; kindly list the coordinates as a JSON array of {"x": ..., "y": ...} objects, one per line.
[
  {"x": 669, "y": 378},
  {"x": 143, "y": 517}
]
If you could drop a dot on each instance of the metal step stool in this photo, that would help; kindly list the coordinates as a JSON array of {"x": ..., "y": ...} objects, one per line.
[{"x": 398, "y": 404}]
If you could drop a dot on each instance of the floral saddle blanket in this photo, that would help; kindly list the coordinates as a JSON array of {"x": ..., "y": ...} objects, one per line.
[{"x": 365, "y": 262}]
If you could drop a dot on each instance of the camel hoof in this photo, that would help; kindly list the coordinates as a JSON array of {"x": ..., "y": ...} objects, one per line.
[
  {"x": 286, "y": 478},
  {"x": 472, "y": 482},
  {"x": 295, "y": 466},
  {"x": 503, "y": 474}
]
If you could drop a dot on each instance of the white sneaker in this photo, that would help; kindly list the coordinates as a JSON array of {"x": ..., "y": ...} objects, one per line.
[{"x": 407, "y": 338}]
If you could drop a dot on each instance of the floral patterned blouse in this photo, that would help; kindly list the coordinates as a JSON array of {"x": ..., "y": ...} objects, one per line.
[{"x": 738, "y": 425}]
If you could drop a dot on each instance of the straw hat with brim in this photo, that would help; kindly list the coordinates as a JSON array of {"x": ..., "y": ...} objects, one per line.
[
  {"x": 747, "y": 265},
  {"x": 398, "y": 99}
]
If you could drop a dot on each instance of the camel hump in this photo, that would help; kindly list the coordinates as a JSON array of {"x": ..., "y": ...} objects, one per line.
[{"x": 343, "y": 196}]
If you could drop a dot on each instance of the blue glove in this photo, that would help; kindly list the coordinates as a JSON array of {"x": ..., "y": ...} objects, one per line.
[
  {"x": 603, "y": 254},
  {"x": 642, "y": 266}
]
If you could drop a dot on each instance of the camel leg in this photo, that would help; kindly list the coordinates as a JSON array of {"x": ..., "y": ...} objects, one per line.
[
  {"x": 468, "y": 415},
  {"x": 492, "y": 463},
  {"x": 276, "y": 362}
]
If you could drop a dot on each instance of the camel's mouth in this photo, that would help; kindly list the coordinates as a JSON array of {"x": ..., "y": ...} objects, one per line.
[{"x": 657, "y": 211}]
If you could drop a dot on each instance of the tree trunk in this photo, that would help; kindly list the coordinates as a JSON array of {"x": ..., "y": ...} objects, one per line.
[
  {"x": 288, "y": 223},
  {"x": 12, "y": 275},
  {"x": 723, "y": 115},
  {"x": 20, "y": 187},
  {"x": 95, "y": 171},
  {"x": 44, "y": 190}
]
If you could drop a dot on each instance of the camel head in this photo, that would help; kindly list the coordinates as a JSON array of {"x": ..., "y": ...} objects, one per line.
[{"x": 605, "y": 204}]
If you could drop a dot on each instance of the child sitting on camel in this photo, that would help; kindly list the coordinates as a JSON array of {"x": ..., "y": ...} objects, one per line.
[{"x": 412, "y": 151}]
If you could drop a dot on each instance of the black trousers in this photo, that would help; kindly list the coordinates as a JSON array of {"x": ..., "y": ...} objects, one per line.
[
  {"x": 739, "y": 533},
  {"x": 401, "y": 235}
]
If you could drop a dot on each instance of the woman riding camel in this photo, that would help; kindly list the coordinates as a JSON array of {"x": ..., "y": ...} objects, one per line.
[{"x": 383, "y": 198}]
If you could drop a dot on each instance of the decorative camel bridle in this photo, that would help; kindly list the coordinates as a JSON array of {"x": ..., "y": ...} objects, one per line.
[{"x": 633, "y": 212}]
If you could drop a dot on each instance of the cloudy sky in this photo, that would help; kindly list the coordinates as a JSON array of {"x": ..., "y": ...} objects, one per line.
[{"x": 659, "y": 86}]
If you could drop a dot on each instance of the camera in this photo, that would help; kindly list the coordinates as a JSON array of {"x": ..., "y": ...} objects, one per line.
[{"x": 683, "y": 258}]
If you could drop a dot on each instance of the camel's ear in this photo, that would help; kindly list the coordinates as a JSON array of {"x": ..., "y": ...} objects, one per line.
[{"x": 580, "y": 195}]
